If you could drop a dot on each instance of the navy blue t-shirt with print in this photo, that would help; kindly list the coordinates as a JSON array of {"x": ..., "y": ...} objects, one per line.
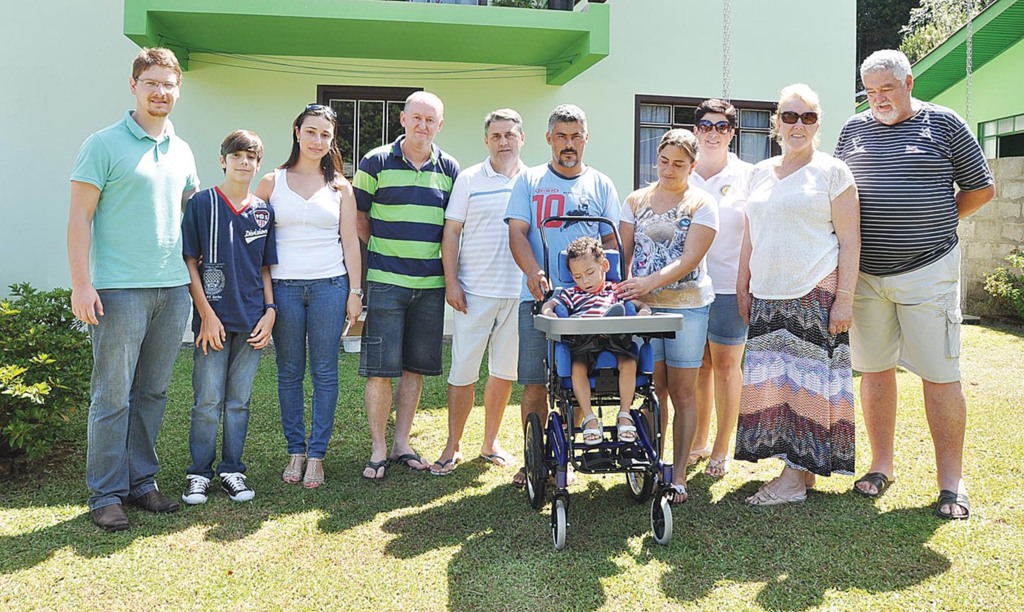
[{"x": 232, "y": 247}]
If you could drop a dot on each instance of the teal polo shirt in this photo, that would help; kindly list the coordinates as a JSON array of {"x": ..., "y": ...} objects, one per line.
[{"x": 136, "y": 231}]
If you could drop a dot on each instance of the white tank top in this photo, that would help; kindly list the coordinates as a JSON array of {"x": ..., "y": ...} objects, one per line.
[{"x": 308, "y": 242}]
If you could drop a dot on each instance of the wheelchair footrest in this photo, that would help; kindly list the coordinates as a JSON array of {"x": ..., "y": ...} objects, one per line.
[
  {"x": 598, "y": 459},
  {"x": 633, "y": 457}
]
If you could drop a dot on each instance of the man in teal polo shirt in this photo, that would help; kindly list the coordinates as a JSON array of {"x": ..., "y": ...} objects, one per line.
[
  {"x": 402, "y": 190},
  {"x": 130, "y": 285}
]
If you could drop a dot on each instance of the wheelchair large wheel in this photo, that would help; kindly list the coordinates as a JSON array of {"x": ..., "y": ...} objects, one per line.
[
  {"x": 661, "y": 519},
  {"x": 559, "y": 522},
  {"x": 640, "y": 485},
  {"x": 536, "y": 464}
]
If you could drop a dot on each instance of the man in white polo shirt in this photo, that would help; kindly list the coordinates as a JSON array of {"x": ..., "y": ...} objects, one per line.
[{"x": 482, "y": 284}]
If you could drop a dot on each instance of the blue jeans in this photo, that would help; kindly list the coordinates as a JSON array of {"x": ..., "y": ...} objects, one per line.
[
  {"x": 308, "y": 312},
  {"x": 133, "y": 348},
  {"x": 222, "y": 384}
]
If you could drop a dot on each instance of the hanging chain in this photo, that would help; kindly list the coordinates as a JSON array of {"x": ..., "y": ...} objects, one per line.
[
  {"x": 970, "y": 56},
  {"x": 726, "y": 39}
]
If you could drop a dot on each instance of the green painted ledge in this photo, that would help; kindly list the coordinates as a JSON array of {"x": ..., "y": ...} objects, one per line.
[{"x": 565, "y": 43}]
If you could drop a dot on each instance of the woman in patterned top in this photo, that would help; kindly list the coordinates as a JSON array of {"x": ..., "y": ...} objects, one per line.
[
  {"x": 666, "y": 230},
  {"x": 798, "y": 270}
]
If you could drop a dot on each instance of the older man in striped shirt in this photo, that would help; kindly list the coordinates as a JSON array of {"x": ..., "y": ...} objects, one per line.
[
  {"x": 906, "y": 156},
  {"x": 402, "y": 190}
]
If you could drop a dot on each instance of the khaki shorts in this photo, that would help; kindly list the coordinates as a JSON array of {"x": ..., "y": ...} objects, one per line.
[
  {"x": 491, "y": 323},
  {"x": 911, "y": 319}
]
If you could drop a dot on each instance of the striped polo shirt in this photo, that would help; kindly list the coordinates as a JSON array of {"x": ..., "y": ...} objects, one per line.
[
  {"x": 905, "y": 175},
  {"x": 406, "y": 208}
]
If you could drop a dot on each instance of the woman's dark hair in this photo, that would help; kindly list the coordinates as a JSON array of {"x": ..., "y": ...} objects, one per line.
[
  {"x": 330, "y": 164},
  {"x": 716, "y": 105}
]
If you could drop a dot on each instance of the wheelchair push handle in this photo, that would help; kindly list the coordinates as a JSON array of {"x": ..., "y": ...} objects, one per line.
[{"x": 580, "y": 219}]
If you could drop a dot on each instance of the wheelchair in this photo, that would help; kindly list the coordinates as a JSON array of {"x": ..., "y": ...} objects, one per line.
[{"x": 550, "y": 448}]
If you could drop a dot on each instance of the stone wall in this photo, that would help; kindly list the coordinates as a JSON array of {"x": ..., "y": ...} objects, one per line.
[{"x": 990, "y": 234}]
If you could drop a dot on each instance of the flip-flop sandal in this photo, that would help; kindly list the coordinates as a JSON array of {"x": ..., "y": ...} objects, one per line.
[
  {"x": 502, "y": 459},
  {"x": 678, "y": 489},
  {"x": 697, "y": 455},
  {"x": 438, "y": 469},
  {"x": 522, "y": 484},
  {"x": 718, "y": 465},
  {"x": 375, "y": 466},
  {"x": 408, "y": 458},
  {"x": 878, "y": 480},
  {"x": 947, "y": 497}
]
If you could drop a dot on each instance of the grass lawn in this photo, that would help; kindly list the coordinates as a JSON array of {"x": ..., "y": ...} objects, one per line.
[{"x": 470, "y": 541}]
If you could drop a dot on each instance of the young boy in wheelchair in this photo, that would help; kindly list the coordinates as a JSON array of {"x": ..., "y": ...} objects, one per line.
[{"x": 594, "y": 296}]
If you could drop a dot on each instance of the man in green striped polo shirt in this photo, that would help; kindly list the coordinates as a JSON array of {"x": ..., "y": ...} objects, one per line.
[{"x": 402, "y": 190}]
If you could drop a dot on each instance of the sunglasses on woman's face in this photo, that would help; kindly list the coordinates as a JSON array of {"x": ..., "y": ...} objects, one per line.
[
  {"x": 722, "y": 127},
  {"x": 808, "y": 118}
]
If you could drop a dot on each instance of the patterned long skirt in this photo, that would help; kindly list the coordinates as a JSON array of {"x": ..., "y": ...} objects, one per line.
[{"x": 797, "y": 400}]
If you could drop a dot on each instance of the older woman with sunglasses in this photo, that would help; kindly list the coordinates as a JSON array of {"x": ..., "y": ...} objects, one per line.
[
  {"x": 797, "y": 273},
  {"x": 720, "y": 173},
  {"x": 316, "y": 284}
]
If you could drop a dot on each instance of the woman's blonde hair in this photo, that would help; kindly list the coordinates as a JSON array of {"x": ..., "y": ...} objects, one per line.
[{"x": 805, "y": 93}]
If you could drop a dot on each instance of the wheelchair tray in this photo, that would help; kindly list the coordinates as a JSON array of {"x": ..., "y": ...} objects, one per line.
[{"x": 661, "y": 325}]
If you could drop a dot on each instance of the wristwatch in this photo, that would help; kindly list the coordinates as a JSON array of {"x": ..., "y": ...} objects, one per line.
[
  {"x": 358, "y": 291},
  {"x": 270, "y": 306}
]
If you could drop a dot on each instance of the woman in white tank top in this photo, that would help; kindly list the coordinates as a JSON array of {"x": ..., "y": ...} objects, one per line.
[{"x": 316, "y": 284}]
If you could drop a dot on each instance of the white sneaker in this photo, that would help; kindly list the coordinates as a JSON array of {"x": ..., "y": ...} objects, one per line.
[
  {"x": 196, "y": 490},
  {"x": 233, "y": 484}
]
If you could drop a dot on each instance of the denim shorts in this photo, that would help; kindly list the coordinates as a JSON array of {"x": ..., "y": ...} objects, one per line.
[
  {"x": 533, "y": 348},
  {"x": 686, "y": 350},
  {"x": 403, "y": 331},
  {"x": 725, "y": 325}
]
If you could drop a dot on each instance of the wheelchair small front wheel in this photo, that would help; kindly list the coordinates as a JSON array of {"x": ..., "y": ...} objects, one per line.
[
  {"x": 661, "y": 519},
  {"x": 536, "y": 463},
  {"x": 640, "y": 485},
  {"x": 559, "y": 522}
]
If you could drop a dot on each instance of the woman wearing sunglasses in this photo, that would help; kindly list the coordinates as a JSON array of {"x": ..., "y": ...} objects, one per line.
[
  {"x": 666, "y": 230},
  {"x": 720, "y": 173},
  {"x": 797, "y": 273},
  {"x": 316, "y": 284}
]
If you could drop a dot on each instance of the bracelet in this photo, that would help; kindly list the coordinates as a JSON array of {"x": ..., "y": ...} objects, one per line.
[
  {"x": 844, "y": 291},
  {"x": 357, "y": 291},
  {"x": 270, "y": 306}
]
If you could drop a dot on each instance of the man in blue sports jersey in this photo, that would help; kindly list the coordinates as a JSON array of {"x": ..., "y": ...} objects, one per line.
[
  {"x": 130, "y": 285},
  {"x": 402, "y": 190},
  {"x": 565, "y": 186},
  {"x": 906, "y": 156}
]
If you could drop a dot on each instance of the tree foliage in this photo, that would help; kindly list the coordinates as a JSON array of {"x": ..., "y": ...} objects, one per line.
[
  {"x": 878, "y": 26},
  {"x": 933, "y": 22}
]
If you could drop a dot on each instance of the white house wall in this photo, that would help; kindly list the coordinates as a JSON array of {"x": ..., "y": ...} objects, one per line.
[{"x": 54, "y": 96}]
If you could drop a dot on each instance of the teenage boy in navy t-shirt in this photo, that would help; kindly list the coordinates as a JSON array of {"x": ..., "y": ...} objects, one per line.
[{"x": 229, "y": 246}]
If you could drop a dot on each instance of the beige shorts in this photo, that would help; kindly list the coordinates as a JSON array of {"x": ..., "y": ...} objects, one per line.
[
  {"x": 493, "y": 324},
  {"x": 911, "y": 319}
]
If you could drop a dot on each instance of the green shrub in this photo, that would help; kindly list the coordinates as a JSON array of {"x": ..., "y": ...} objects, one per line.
[
  {"x": 1008, "y": 284},
  {"x": 45, "y": 364}
]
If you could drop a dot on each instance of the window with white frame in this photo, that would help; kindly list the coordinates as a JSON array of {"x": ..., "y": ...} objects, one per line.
[
  {"x": 656, "y": 115},
  {"x": 1003, "y": 137},
  {"x": 367, "y": 118}
]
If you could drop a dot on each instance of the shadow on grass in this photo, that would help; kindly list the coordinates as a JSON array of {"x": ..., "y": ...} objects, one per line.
[
  {"x": 831, "y": 542},
  {"x": 345, "y": 501}
]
